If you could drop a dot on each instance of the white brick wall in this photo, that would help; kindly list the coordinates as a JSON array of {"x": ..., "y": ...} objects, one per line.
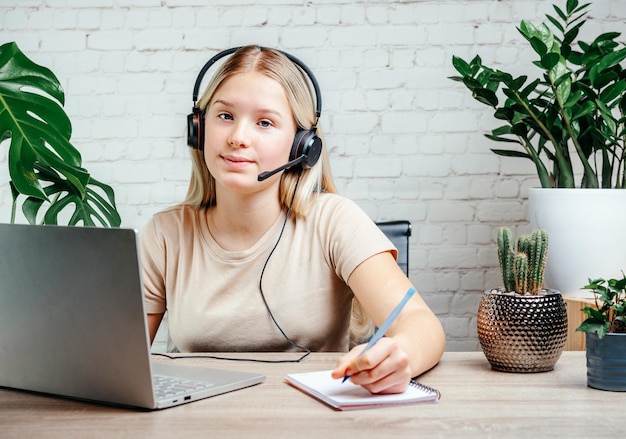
[{"x": 405, "y": 141}]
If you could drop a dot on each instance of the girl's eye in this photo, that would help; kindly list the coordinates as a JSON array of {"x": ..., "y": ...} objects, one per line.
[
  {"x": 225, "y": 116},
  {"x": 265, "y": 123}
]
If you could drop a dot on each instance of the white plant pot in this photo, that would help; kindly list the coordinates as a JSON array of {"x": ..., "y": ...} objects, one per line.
[{"x": 586, "y": 233}]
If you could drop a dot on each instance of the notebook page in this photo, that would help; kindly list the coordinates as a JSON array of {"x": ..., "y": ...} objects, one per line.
[{"x": 348, "y": 396}]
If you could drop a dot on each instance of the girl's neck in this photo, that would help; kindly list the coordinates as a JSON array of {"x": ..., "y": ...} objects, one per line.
[{"x": 237, "y": 223}]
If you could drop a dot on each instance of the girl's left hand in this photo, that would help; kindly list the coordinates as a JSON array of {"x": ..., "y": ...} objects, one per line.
[{"x": 382, "y": 369}]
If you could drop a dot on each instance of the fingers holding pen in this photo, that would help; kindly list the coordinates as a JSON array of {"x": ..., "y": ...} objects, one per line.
[
  {"x": 383, "y": 369},
  {"x": 387, "y": 371},
  {"x": 346, "y": 365}
]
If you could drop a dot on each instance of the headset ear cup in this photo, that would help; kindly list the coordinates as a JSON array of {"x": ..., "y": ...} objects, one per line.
[
  {"x": 306, "y": 143},
  {"x": 195, "y": 122},
  {"x": 193, "y": 129}
]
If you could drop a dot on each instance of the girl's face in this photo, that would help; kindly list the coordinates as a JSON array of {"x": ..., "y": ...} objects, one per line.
[{"x": 249, "y": 129}]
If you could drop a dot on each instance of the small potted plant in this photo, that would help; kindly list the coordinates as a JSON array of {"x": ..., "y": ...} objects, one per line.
[
  {"x": 522, "y": 326},
  {"x": 605, "y": 329}
]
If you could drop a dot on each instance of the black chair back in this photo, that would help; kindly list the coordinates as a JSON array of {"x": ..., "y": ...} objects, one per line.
[{"x": 398, "y": 233}]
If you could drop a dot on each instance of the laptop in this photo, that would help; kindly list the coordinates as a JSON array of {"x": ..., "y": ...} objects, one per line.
[{"x": 73, "y": 323}]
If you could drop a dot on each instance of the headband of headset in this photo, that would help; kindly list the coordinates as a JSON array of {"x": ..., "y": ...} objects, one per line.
[{"x": 296, "y": 61}]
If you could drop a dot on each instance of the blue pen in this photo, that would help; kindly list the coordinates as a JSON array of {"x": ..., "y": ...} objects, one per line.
[{"x": 380, "y": 332}]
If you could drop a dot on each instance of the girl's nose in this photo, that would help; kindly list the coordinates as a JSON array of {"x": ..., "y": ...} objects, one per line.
[{"x": 239, "y": 135}]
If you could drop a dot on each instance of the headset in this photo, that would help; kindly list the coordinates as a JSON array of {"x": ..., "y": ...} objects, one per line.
[{"x": 306, "y": 147}]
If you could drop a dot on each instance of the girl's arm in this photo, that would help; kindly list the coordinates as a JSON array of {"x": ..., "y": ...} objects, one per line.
[
  {"x": 413, "y": 344},
  {"x": 154, "y": 320}
]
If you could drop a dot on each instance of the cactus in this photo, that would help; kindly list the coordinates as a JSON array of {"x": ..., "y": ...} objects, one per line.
[
  {"x": 520, "y": 272},
  {"x": 523, "y": 244},
  {"x": 506, "y": 256},
  {"x": 537, "y": 260},
  {"x": 522, "y": 268}
]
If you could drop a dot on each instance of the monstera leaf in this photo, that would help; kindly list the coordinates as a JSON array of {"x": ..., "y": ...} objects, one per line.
[{"x": 43, "y": 165}]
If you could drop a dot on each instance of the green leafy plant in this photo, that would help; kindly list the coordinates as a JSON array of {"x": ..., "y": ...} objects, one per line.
[
  {"x": 522, "y": 268},
  {"x": 45, "y": 169},
  {"x": 609, "y": 313},
  {"x": 572, "y": 114}
]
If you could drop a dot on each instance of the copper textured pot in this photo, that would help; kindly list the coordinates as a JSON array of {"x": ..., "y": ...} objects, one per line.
[{"x": 519, "y": 333}]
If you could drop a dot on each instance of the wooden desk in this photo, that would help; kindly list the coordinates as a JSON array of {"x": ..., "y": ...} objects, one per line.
[{"x": 476, "y": 402}]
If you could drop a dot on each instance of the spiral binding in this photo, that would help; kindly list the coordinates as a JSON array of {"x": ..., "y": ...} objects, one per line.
[{"x": 425, "y": 388}]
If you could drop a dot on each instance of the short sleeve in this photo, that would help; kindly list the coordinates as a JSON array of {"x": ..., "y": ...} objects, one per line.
[
  {"x": 350, "y": 235},
  {"x": 153, "y": 259}
]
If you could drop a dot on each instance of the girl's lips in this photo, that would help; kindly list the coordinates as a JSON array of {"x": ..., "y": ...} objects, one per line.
[{"x": 236, "y": 162}]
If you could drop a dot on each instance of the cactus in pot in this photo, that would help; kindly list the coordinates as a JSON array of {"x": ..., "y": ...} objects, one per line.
[
  {"x": 522, "y": 268},
  {"x": 522, "y": 327}
]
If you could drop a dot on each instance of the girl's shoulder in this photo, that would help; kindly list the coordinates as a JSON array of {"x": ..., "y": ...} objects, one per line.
[
  {"x": 335, "y": 205},
  {"x": 335, "y": 214},
  {"x": 173, "y": 219},
  {"x": 172, "y": 212}
]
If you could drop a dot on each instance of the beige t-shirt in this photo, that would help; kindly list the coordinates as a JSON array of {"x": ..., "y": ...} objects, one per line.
[{"x": 213, "y": 298}]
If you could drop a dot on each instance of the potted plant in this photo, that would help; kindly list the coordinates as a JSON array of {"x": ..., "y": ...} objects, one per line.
[
  {"x": 605, "y": 329},
  {"x": 522, "y": 326},
  {"x": 569, "y": 119},
  {"x": 44, "y": 168}
]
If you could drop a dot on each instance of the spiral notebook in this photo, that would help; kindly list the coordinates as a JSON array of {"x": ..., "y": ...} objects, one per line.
[{"x": 348, "y": 396}]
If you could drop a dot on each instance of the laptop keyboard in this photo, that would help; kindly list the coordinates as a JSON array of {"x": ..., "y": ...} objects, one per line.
[{"x": 165, "y": 386}]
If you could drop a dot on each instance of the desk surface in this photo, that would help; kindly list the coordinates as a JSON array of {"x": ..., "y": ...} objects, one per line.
[{"x": 476, "y": 402}]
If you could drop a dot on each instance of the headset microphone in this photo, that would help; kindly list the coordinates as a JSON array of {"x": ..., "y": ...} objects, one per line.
[
  {"x": 306, "y": 150},
  {"x": 264, "y": 175}
]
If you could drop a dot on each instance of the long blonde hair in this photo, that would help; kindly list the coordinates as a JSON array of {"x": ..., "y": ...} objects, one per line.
[{"x": 277, "y": 66}]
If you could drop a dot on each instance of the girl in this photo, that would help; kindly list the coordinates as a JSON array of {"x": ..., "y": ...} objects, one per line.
[{"x": 275, "y": 265}]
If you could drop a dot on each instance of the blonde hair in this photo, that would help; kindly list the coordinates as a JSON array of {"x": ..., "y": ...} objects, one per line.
[{"x": 294, "y": 81}]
